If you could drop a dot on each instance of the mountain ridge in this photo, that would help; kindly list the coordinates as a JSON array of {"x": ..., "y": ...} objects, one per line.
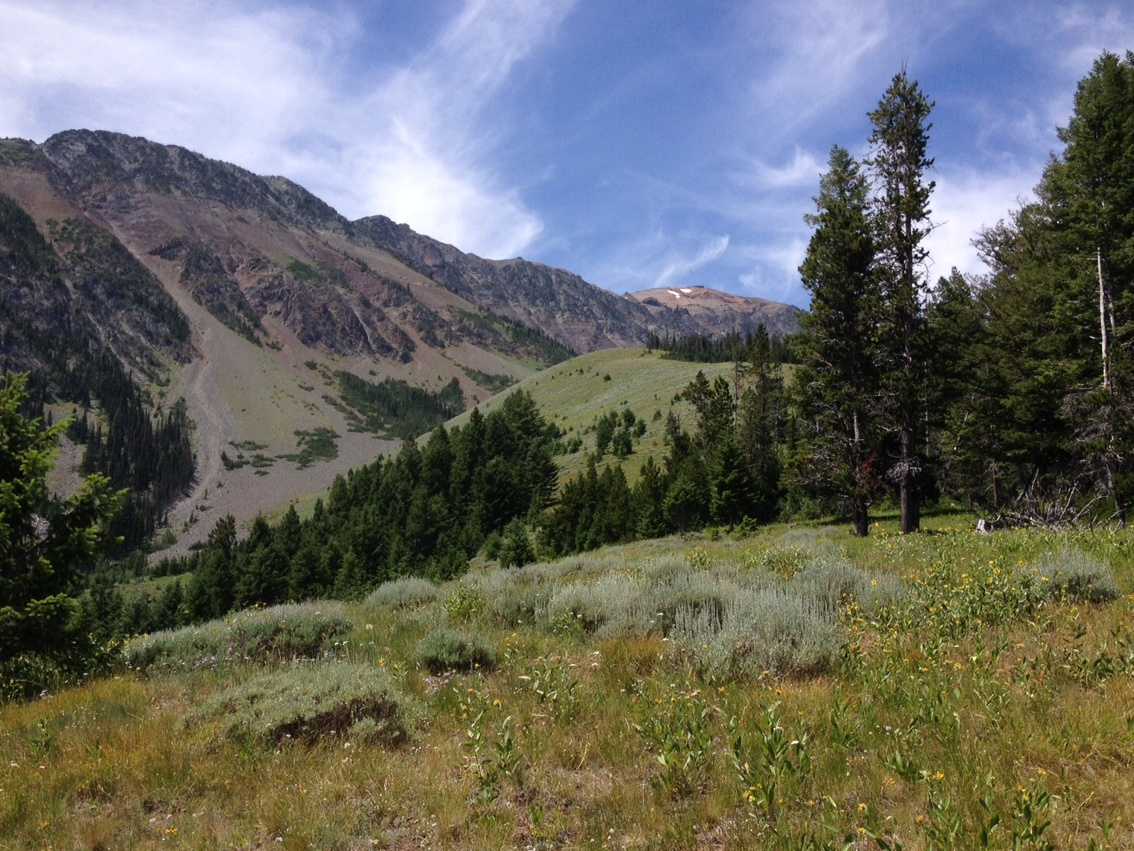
[{"x": 275, "y": 294}]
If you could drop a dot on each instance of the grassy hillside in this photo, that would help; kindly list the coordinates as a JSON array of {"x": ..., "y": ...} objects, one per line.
[
  {"x": 574, "y": 394},
  {"x": 944, "y": 690}
]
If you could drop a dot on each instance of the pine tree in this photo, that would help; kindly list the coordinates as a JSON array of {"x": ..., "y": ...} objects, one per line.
[
  {"x": 898, "y": 162},
  {"x": 213, "y": 591},
  {"x": 966, "y": 395},
  {"x": 759, "y": 421},
  {"x": 1090, "y": 192},
  {"x": 45, "y": 543},
  {"x": 731, "y": 488},
  {"x": 516, "y": 549},
  {"x": 838, "y": 382}
]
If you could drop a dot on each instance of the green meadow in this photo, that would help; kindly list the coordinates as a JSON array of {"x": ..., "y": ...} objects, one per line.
[{"x": 799, "y": 689}]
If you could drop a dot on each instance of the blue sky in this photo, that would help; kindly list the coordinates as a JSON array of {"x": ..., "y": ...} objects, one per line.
[{"x": 638, "y": 143}]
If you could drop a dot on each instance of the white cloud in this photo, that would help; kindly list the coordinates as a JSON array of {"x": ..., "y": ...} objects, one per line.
[
  {"x": 678, "y": 264},
  {"x": 964, "y": 201},
  {"x": 201, "y": 74},
  {"x": 428, "y": 129},
  {"x": 774, "y": 269},
  {"x": 804, "y": 170},
  {"x": 822, "y": 48},
  {"x": 262, "y": 86},
  {"x": 1093, "y": 29}
]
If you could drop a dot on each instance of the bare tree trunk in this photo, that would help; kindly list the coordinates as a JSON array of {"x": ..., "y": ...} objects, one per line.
[
  {"x": 1104, "y": 329},
  {"x": 910, "y": 502},
  {"x": 1106, "y": 326},
  {"x": 859, "y": 507}
]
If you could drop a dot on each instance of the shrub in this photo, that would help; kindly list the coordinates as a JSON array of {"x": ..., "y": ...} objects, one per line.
[
  {"x": 405, "y": 593},
  {"x": 591, "y": 605},
  {"x": 834, "y": 581},
  {"x": 310, "y": 702},
  {"x": 513, "y": 604},
  {"x": 464, "y": 604},
  {"x": 1076, "y": 576},
  {"x": 447, "y": 649},
  {"x": 256, "y": 635},
  {"x": 761, "y": 630},
  {"x": 785, "y": 561}
]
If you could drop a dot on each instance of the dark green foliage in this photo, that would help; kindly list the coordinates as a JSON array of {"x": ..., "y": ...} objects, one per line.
[
  {"x": 25, "y": 251},
  {"x": 593, "y": 510},
  {"x": 604, "y": 432},
  {"x": 395, "y": 407},
  {"x": 516, "y": 547},
  {"x": 1041, "y": 420},
  {"x": 837, "y": 383},
  {"x": 760, "y": 424},
  {"x": 732, "y": 490},
  {"x": 150, "y": 457},
  {"x": 84, "y": 342},
  {"x": 703, "y": 348},
  {"x": 213, "y": 590},
  {"x": 898, "y": 162},
  {"x": 490, "y": 381},
  {"x": 423, "y": 512},
  {"x": 46, "y": 544},
  {"x": 727, "y": 470},
  {"x": 448, "y": 649},
  {"x": 315, "y": 445}
]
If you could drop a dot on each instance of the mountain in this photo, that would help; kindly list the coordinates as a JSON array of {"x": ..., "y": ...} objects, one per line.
[
  {"x": 561, "y": 304},
  {"x": 716, "y": 311},
  {"x": 300, "y": 341}
]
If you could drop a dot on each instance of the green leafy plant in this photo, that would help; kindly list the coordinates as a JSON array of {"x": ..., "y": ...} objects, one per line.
[
  {"x": 772, "y": 764},
  {"x": 678, "y": 732}
]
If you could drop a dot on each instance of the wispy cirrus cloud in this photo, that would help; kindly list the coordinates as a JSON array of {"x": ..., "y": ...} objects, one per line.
[
  {"x": 618, "y": 140},
  {"x": 262, "y": 84},
  {"x": 808, "y": 55},
  {"x": 803, "y": 170},
  {"x": 424, "y": 158},
  {"x": 224, "y": 78},
  {"x": 678, "y": 264}
]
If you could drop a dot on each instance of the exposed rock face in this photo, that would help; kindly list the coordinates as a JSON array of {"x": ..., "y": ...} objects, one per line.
[
  {"x": 246, "y": 247},
  {"x": 564, "y": 306},
  {"x": 719, "y": 312},
  {"x": 244, "y": 295}
]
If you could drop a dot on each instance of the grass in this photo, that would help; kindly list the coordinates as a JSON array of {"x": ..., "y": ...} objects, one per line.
[
  {"x": 969, "y": 692},
  {"x": 575, "y": 393},
  {"x": 308, "y": 703},
  {"x": 254, "y": 636},
  {"x": 315, "y": 445}
]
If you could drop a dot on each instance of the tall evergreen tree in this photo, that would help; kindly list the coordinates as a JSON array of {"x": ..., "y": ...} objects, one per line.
[
  {"x": 1059, "y": 315},
  {"x": 213, "y": 591},
  {"x": 759, "y": 422},
  {"x": 898, "y": 162},
  {"x": 837, "y": 383},
  {"x": 1089, "y": 192},
  {"x": 45, "y": 543},
  {"x": 966, "y": 394}
]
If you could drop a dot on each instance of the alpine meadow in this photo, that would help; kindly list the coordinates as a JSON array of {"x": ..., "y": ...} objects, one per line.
[{"x": 592, "y": 572}]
